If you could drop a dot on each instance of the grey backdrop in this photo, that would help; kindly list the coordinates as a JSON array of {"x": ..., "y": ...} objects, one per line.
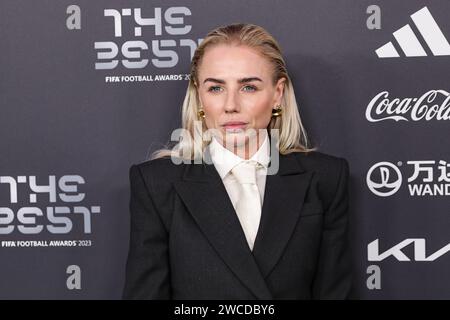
[{"x": 60, "y": 116}]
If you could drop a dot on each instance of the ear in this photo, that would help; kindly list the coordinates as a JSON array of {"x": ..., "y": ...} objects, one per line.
[
  {"x": 197, "y": 93},
  {"x": 279, "y": 89}
]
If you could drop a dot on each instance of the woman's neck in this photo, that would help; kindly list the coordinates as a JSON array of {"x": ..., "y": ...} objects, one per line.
[{"x": 247, "y": 150}]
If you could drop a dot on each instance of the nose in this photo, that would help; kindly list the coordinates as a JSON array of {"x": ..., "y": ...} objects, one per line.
[{"x": 232, "y": 102}]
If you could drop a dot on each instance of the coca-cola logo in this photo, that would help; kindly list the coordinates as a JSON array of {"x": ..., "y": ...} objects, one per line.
[{"x": 434, "y": 104}]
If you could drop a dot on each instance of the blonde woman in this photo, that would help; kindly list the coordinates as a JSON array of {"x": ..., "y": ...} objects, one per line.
[{"x": 237, "y": 213}]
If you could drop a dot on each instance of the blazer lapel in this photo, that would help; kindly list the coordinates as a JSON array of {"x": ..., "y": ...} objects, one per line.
[
  {"x": 283, "y": 201},
  {"x": 207, "y": 200}
]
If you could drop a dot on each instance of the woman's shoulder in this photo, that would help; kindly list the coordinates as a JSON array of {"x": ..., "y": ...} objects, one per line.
[
  {"x": 331, "y": 173},
  {"x": 331, "y": 170},
  {"x": 158, "y": 163},
  {"x": 159, "y": 169}
]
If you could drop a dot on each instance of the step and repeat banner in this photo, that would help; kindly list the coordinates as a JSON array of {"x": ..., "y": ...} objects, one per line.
[{"x": 88, "y": 88}]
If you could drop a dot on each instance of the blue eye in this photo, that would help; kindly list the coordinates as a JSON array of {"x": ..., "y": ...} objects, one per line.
[
  {"x": 211, "y": 89},
  {"x": 251, "y": 87},
  {"x": 217, "y": 88}
]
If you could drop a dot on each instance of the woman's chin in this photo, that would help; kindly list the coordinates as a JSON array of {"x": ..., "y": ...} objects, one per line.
[{"x": 235, "y": 139}]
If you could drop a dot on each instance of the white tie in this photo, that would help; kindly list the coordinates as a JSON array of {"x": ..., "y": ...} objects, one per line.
[{"x": 248, "y": 206}]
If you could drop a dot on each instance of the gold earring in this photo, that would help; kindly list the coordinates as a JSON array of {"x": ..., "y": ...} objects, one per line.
[
  {"x": 201, "y": 113},
  {"x": 277, "y": 112}
]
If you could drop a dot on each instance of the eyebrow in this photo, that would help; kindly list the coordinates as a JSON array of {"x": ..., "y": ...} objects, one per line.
[{"x": 242, "y": 80}]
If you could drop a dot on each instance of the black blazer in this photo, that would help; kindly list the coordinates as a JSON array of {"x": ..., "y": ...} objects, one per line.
[{"x": 187, "y": 243}]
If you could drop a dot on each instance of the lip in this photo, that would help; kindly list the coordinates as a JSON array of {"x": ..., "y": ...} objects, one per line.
[{"x": 235, "y": 125}]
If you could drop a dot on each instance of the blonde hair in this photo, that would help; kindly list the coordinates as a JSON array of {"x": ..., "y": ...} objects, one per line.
[{"x": 292, "y": 136}]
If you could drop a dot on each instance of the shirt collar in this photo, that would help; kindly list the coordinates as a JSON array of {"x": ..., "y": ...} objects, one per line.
[{"x": 224, "y": 160}]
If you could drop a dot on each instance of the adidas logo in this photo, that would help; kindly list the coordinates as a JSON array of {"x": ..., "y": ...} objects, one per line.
[{"x": 408, "y": 42}]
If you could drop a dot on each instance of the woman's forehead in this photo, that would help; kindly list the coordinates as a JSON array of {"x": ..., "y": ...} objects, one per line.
[{"x": 233, "y": 62}]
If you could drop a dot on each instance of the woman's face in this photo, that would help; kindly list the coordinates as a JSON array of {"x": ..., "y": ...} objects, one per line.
[{"x": 235, "y": 85}]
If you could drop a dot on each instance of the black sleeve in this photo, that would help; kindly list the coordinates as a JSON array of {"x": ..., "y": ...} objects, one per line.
[
  {"x": 147, "y": 268},
  {"x": 333, "y": 278}
]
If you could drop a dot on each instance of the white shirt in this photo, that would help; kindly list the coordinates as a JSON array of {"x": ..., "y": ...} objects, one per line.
[{"x": 224, "y": 160}]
